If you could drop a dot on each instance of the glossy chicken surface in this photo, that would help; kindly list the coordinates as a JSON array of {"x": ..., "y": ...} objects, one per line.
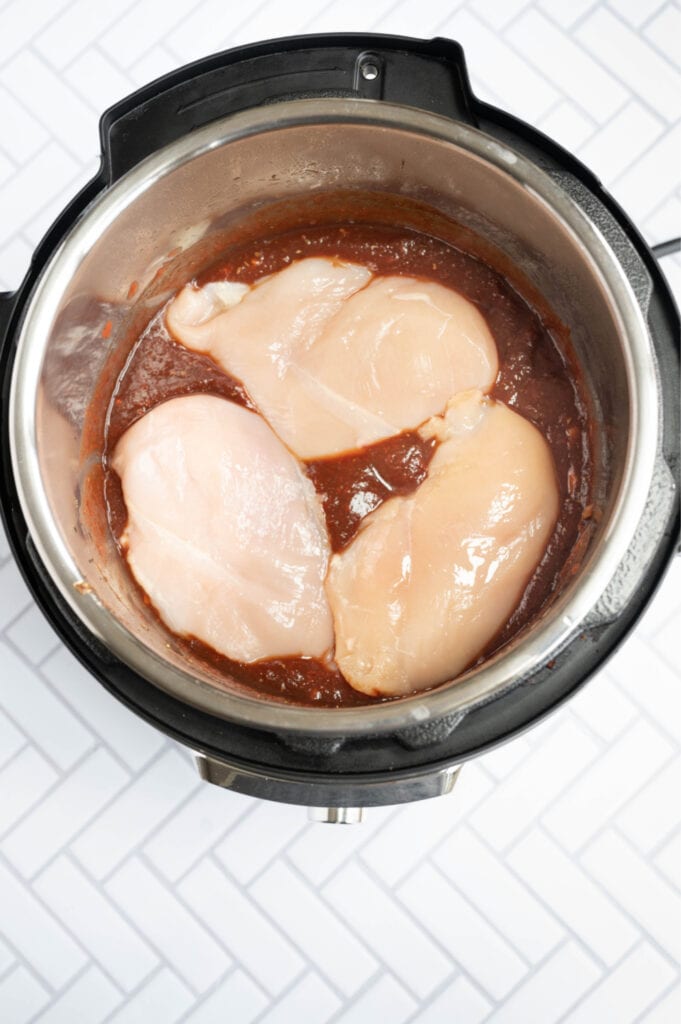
[
  {"x": 432, "y": 577},
  {"x": 225, "y": 532},
  {"x": 335, "y": 358}
]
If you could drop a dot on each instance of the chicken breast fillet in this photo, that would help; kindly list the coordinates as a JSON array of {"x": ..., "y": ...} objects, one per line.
[
  {"x": 432, "y": 577},
  {"x": 225, "y": 532},
  {"x": 334, "y": 358}
]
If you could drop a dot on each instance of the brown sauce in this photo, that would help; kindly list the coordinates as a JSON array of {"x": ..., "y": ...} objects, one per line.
[
  {"x": 350, "y": 486},
  {"x": 536, "y": 377}
]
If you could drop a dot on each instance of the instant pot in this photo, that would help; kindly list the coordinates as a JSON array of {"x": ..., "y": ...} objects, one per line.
[{"x": 188, "y": 163}]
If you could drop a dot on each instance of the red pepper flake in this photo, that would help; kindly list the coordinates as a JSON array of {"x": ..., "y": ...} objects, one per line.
[
  {"x": 107, "y": 329},
  {"x": 132, "y": 290},
  {"x": 551, "y": 664}
]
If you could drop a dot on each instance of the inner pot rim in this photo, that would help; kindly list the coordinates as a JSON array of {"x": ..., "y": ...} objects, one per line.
[{"x": 504, "y": 670}]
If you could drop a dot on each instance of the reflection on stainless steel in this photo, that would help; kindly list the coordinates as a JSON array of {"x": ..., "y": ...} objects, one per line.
[
  {"x": 336, "y": 815},
  {"x": 324, "y": 793}
]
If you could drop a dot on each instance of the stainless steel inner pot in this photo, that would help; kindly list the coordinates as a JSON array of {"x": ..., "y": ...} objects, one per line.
[{"x": 174, "y": 207}]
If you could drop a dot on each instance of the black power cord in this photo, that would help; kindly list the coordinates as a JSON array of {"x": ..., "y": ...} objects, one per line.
[{"x": 667, "y": 248}]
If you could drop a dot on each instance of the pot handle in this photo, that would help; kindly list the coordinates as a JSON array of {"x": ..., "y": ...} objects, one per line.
[{"x": 428, "y": 74}]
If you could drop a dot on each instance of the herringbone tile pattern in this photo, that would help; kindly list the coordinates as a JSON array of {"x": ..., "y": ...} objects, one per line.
[{"x": 546, "y": 888}]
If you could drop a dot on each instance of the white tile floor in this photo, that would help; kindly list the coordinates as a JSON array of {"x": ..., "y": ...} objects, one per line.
[{"x": 546, "y": 888}]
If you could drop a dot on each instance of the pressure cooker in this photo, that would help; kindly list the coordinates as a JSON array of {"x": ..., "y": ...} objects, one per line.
[{"x": 185, "y": 161}]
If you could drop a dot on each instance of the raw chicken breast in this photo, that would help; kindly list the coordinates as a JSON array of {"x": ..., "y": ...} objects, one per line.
[
  {"x": 225, "y": 533},
  {"x": 432, "y": 577},
  {"x": 336, "y": 359}
]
